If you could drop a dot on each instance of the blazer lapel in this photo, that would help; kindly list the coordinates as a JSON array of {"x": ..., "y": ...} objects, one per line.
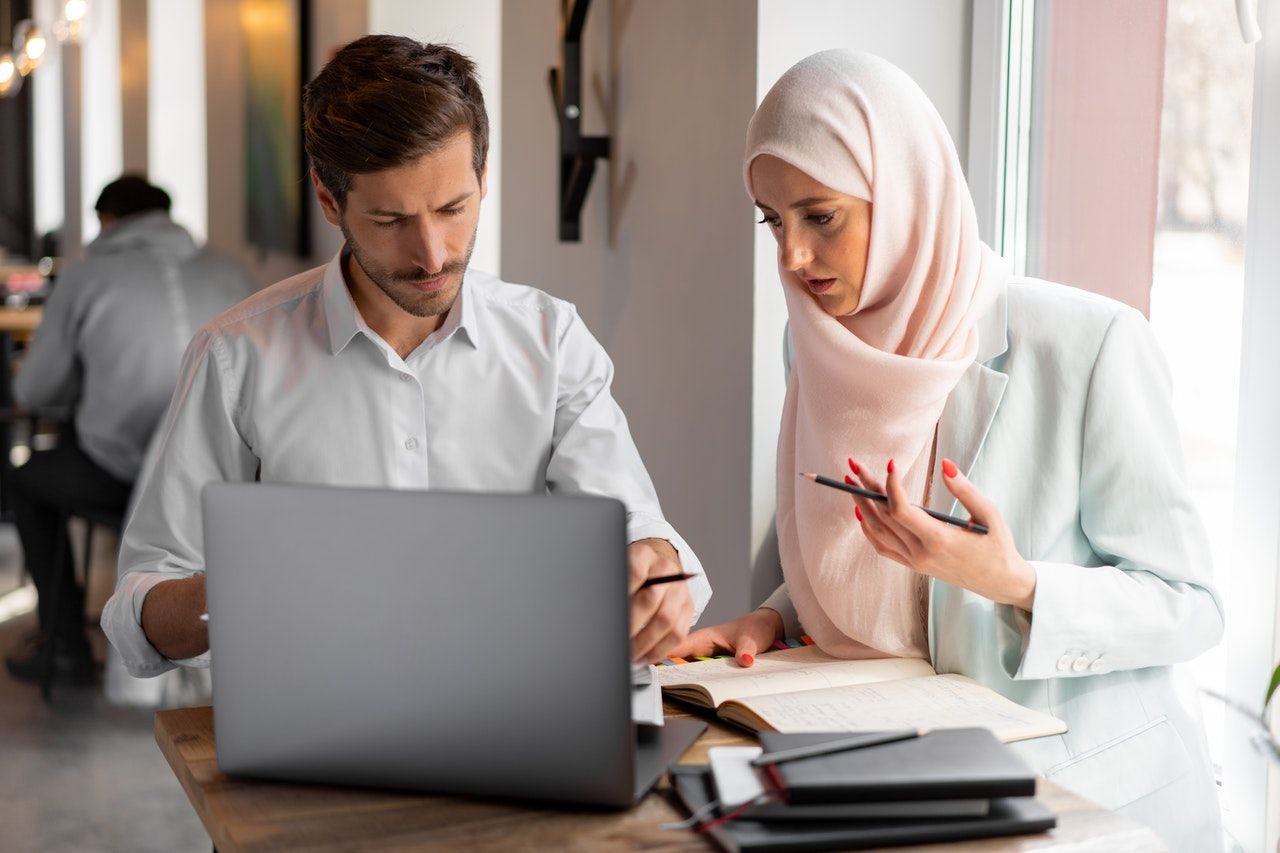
[
  {"x": 966, "y": 419},
  {"x": 967, "y": 416}
]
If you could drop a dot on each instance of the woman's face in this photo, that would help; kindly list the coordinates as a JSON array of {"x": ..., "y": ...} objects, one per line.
[{"x": 822, "y": 234}]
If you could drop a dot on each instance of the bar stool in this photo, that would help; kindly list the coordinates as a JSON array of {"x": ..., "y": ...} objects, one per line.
[{"x": 93, "y": 517}]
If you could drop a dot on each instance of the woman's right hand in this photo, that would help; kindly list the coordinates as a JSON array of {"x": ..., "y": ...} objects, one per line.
[{"x": 745, "y": 637}]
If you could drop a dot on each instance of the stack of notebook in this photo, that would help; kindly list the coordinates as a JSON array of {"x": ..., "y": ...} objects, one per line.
[{"x": 947, "y": 785}]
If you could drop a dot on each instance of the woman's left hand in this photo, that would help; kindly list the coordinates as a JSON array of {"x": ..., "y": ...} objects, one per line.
[{"x": 989, "y": 564}]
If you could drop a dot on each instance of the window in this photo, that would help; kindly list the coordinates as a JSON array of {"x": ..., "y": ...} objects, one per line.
[{"x": 1121, "y": 140}]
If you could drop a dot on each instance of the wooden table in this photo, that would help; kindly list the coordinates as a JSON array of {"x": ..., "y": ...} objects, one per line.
[
  {"x": 16, "y": 324},
  {"x": 20, "y": 322},
  {"x": 248, "y": 815}
]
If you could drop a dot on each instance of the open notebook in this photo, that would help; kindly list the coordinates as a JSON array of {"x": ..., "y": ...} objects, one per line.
[{"x": 804, "y": 690}]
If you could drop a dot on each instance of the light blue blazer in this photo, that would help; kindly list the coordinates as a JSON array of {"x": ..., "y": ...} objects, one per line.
[{"x": 1065, "y": 422}]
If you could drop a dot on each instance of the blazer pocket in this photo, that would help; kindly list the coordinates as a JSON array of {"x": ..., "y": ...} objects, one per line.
[{"x": 1127, "y": 768}]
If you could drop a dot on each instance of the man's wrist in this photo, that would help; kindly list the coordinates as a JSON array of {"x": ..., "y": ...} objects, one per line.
[{"x": 663, "y": 547}]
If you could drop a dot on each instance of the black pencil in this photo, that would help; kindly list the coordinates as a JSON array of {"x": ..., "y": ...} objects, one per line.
[
  {"x": 832, "y": 746},
  {"x": 966, "y": 523},
  {"x": 666, "y": 579}
]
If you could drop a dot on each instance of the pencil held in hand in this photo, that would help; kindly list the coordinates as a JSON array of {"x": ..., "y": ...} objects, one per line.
[
  {"x": 666, "y": 579},
  {"x": 966, "y": 523}
]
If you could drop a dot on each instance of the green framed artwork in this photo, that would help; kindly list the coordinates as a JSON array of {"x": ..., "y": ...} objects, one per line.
[{"x": 274, "y": 35}]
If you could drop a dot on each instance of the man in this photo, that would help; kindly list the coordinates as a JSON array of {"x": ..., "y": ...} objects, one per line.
[
  {"x": 108, "y": 347},
  {"x": 394, "y": 365}
]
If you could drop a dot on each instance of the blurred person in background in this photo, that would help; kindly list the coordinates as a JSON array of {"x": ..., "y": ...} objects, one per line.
[{"x": 108, "y": 350}]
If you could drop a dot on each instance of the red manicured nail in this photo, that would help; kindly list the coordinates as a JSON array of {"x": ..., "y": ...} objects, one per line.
[
  {"x": 848, "y": 479},
  {"x": 890, "y": 466},
  {"x": 853, "y": 466},
  {"x": 949, "y": 468},
  {"x": 858, "y": 513},
  {"x": 748, "y": 660}
]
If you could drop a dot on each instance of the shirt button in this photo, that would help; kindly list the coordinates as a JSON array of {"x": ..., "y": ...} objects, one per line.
[
  {"x": 410, "y": 443},
  {"x": 404, "y": 377},
  {"x": 1097, "y": 666},
  {"x": 1081, "y": 664},
  {"x": 1064, "y": 662}
]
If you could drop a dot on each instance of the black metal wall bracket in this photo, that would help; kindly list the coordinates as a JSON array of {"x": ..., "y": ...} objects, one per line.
[{"x": 578, "y": 153}]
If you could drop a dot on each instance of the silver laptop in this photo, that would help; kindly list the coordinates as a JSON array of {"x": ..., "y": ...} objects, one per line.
[{"x": 459, "y": 643}]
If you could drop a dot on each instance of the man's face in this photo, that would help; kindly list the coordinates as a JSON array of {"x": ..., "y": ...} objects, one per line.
[{"x": 412, "y": 228}]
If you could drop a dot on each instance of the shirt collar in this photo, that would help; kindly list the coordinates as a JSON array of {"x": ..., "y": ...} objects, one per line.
[
  {"x": 345, "y": 321},
  {"x": 339, "y": 311},
  {"x": 462, "y": 317}
]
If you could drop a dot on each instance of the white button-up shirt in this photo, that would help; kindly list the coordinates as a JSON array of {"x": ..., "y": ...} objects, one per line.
[{"x": 510, "y": 394}]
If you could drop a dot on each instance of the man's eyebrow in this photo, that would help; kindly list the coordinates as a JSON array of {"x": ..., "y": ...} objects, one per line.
[{"x": 400, "y": 213}]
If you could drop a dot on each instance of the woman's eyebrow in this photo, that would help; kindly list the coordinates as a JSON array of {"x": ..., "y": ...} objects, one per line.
[{"x": 809, "y": 201}]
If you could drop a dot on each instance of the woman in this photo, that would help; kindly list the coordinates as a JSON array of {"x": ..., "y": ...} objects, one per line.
[{"x": 922, "y": 365}]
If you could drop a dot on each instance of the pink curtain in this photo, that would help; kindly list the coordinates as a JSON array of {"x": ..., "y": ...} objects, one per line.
[{"x": 1102, "y": 93}]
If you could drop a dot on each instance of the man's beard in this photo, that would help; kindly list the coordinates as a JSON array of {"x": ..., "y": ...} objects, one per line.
[{"x": 396, "y": 283}]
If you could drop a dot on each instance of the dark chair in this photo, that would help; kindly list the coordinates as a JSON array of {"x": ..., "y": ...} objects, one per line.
[{"x": 93, "y": 517}]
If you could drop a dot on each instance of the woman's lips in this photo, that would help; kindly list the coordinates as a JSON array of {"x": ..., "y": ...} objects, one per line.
[{"x": 818, "y": 286}]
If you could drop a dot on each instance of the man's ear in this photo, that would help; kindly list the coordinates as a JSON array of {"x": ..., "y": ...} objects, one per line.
[
  {"x": 484, "y": 179},
  {"x": 328, "y": 204}
]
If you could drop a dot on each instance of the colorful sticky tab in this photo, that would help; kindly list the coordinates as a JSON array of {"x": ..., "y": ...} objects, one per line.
[
  {"x": 779, "y": 644},
  {"x": 679, "y": 660},
  {"x": 806, "y": 639}
]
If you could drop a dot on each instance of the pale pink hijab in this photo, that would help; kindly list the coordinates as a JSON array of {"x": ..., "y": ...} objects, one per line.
[{"x": 872, "y": 384}]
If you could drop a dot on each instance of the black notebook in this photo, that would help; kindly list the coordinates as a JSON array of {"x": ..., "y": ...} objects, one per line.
[
  {"x": 947, "y": 764},
  {"x": 1007, "y": 816}
]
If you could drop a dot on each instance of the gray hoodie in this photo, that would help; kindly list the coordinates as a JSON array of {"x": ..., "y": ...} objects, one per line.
[{"x": 114, "y": 331}]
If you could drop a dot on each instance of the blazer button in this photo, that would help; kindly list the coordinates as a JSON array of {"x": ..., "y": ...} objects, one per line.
[
  {"x": 1064, "y": 663},
  {"x": 1081, "y": 664},
  {"x": 1097, "y": 666}
]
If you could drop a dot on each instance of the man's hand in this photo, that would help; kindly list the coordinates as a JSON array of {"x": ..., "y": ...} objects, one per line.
[
  {"x": 660, "y": 615},
  {"x": 171, "y": 618}
]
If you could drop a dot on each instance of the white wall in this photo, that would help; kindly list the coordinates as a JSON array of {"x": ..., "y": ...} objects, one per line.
[
  {"x": 46, "y": 109},
  {"x": 102, "y": 145},
  {"x": 177, "y": 148},
  {"x": 473, "y": 27},
  {"x": 929, "y": 39},
  {"x": 663, "y": 274}
]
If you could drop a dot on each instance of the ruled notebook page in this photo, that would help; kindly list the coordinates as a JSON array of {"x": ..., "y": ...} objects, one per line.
[
  {"x": 934, "y": 702},
  {"x": 786, "y": 671}
]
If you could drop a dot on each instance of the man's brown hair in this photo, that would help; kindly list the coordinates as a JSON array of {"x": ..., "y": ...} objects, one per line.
[{"x": 384, "y": 101}]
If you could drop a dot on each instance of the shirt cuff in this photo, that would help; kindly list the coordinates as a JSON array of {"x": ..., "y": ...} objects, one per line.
[
  {"x": 780, "y": 602},
  {"x": 122, "y": 623},
  {"x": 640, "y": 526}
]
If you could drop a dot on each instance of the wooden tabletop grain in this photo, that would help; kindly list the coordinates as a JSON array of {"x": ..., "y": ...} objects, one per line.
[{"x": 249, "y": 815}]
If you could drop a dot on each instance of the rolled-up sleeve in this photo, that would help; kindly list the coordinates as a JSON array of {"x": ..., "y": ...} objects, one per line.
[
  {"x": 593, "y": 452},
  {"x": 198, "y": 443},
  {"x": 1152, "y": 601}
]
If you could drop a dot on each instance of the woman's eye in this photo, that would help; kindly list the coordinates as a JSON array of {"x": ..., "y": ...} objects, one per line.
[
  {"x": 771, "y": 221},
  {"x": 822, "y": 218}
]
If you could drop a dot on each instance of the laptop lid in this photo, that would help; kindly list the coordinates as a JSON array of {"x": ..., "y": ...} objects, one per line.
[{"x": 459, "y": 643}]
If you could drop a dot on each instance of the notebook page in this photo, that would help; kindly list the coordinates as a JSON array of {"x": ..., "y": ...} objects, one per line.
[
  {"x": 942, "y": 701},
  {"x": 786, "y": 671}
]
